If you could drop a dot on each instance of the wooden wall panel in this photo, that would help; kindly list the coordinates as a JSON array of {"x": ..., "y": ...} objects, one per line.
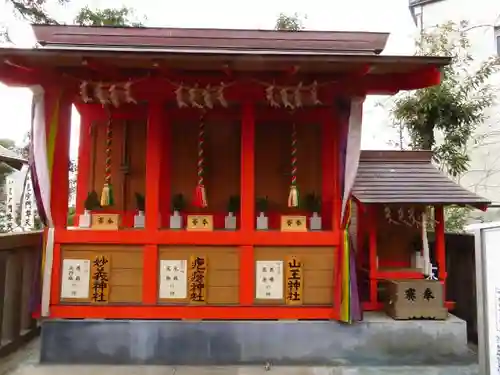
[
  {"x": 395, "y": 242},
  {"x": 223, "y": 270},
  {"x": 222, "y": 161},
  {"x": 125, "y": 279},
  {"x": 272, "y": 161},
  {"x": 318, "y": 269}
]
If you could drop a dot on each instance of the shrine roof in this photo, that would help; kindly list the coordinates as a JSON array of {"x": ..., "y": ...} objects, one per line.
[
  {"x": 90, "y": 53},
  {"x": 211, "y": 40},
  {"x": 11, "y": 158},
  {"x": 408, "y": 177}
]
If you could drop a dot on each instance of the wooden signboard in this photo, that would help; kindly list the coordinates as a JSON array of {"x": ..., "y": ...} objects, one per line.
[
  {"x": 200, "y": 223},
  {"x": 101, "y": 268},
  {"x": 197, "y": 277},
  {"x": 294, "y": 281},
  {"x": 105, "y": 221},
  {"x": 293, "y": 223}
]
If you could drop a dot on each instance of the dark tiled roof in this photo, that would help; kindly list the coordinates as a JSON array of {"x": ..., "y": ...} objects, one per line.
[
  {"x": 407, "y": 177},
  {"x": 11, "y": 158}
]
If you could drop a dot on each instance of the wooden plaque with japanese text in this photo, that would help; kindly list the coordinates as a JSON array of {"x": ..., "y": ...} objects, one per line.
[
  {"x": 197, "y": 279},
  {"x": 99, "y": 284},
  {"x": 293, "y": 281}
]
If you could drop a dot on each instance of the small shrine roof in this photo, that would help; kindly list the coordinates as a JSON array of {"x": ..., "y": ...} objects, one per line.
[
  {"x": 92, "y": 53},
  {"x": 211, "y": 40},
  {"x": 408, "y": 177},
  {"x": 11, "y": 158}
]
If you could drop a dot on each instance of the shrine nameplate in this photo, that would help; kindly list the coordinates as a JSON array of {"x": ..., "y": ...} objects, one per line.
[
  {"x": 173, "y": 279},
  {"x": 101, "y": 268},
  {"x": 293, "y": 223},
  {"x": 269, "y": 279},
  {"x": 105, "y": 221},
  {"x": 197, "y": 278},
  {"x": 75, "y": 283},
  {"x": 294, "y": 281},
  {"x": 200, "y": 223}
]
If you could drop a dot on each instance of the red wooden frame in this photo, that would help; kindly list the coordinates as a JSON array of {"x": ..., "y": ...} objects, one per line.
[
  {"x": 367, "y": 224},
  {"x": 246, "y": 238}
]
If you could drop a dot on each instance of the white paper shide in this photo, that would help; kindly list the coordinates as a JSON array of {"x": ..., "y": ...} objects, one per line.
[
  {"x": 173, "y": 279},
  {"x": 75, "y": 278},
  {"x": 269, "y": 279}
]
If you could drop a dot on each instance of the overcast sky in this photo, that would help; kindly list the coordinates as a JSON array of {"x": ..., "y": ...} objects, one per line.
[{"x": 362, "y": 15}]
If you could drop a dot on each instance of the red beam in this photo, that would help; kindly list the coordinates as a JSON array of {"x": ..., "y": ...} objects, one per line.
[{"x": 192, "y": 312}]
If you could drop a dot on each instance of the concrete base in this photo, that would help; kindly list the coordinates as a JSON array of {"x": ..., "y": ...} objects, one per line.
[{"x": 378, "y": 340}]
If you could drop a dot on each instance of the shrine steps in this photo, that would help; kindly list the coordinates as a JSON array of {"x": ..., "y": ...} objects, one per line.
[{"x": 376, "y": 341}]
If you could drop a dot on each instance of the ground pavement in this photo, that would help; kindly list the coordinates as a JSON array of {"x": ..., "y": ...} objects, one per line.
[{"x": 25, "y": 362}]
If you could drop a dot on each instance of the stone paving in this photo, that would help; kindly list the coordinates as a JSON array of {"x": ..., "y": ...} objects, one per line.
[{"x": 25, "y": 362}]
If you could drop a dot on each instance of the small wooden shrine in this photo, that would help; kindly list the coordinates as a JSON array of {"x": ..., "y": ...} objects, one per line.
[{"x": 216, "y": 173}]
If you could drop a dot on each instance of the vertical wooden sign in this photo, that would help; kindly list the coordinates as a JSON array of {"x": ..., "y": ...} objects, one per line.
[
  {"x": 101, "y": 267},
  {"x": 197, "y": 279},
  {"x": 294, "y": 282}
]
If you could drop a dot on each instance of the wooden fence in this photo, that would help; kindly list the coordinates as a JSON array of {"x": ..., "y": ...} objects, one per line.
[
  {"x": 461, "y": 280},
  {"x": 19, "y": 254}
]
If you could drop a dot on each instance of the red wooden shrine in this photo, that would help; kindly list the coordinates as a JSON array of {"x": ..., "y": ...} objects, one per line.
[{"x": 152, "y": 85}]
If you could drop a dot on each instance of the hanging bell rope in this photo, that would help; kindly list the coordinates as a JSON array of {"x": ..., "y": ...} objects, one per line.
[
  {"x": 200, "y": 193},
  {"x": 107, "y": 190},
  {"x": 293, "y": 196}
]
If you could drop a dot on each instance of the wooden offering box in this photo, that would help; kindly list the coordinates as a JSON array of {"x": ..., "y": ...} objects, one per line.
[{"x": 415, "y": 299}]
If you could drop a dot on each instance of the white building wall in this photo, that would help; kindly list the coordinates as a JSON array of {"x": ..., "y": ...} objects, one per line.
[{"x": 484, "y": 173}]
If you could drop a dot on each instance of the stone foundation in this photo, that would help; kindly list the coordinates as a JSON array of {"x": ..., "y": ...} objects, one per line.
[{"x": 378, "y": 340}]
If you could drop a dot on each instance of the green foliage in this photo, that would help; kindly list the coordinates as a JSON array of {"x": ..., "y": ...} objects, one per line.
[
  {"x": 312, "y": 202},
  {"x": 456, "y": 218},
  {"x": 233, "y": 204},
  {"x": 122, "y": 17},
  {"x": 289, "y": 23},
  {"x": 456, "y": 107},
  {"x": 262, "y": 204},
  {"x": 92, "y": 202},
  {"x": 178, "y": 202},
  {"x": 35, "y": 11},
  {"x": 140, "y": 202},
  {"x": 71, "y": 216}
]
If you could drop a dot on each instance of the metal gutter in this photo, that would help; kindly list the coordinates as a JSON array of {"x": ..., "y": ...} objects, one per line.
[{"x": 64, "y": 47}]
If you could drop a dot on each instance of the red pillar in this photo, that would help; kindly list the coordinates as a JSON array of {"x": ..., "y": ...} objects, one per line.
[
  {"x": 247, "y": 214},
  {"x": 372, "y": 238},
  {"x": 440, "y": 243},
  {"x": 153, "y": 177}
]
